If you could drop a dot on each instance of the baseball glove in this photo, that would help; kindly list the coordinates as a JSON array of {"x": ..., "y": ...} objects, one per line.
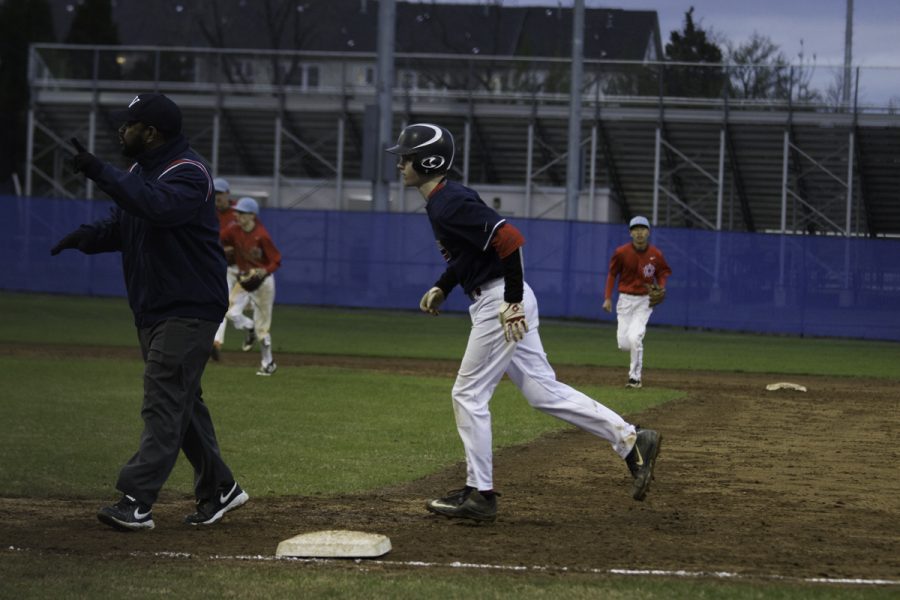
[
  {"x": 657, "y": 294},
  {"x": 251, "y": 281}
]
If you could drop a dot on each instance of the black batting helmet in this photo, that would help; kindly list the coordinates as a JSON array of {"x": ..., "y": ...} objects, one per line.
[{"x": 430, "y": 147}]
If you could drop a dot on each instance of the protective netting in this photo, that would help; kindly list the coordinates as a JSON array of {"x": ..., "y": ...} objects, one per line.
[{"x": 808, "y": 285}]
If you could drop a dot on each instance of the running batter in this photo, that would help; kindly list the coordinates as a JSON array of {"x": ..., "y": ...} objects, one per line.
[
  {"x": 484, "y": 257},
  {"x": 640, "y": 268}
]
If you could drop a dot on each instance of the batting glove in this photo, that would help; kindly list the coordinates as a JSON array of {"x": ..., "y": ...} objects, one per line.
[
  {"x": 512, "y": 319},
  {"x": 84, "y": 161},
  {"x": 432, "y": 301}
]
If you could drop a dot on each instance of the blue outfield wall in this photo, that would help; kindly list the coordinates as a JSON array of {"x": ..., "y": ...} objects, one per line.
[{"x": 800, "y": 285}]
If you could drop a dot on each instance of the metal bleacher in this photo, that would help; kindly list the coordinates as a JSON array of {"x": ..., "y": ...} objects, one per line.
[{"x": 653, "y": 155}]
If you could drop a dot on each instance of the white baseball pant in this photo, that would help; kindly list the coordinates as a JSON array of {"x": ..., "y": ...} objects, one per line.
[
  {"x": 632, "y": 314},
  {"x": 231, "y": 276},
  {"x": 488, "y": 356},
  {"x": 262, "y": 299}
]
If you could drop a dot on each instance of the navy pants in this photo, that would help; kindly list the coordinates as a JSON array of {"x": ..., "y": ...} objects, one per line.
[{"x": 175, "y": 418}]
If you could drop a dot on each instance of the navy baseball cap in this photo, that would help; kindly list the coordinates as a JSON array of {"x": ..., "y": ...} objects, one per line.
[
  {"x": 639, "y": 222},
  {"x": 152, "y": 110}
]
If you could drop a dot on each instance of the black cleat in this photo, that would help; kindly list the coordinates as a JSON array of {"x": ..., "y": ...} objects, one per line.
[
  {"x": 465, "y": 503},
  {"x": 209, "y": 511},
  {"x": 249, "y": 340},
  {"x": 126, "y": 515},
  {"x": 215, "y": 353},
  {"x": 641, "y": 461},
  {"x": 634, "y": 384}
]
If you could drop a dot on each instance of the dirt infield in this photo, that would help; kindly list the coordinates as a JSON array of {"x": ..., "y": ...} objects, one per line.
[{"x": 748, "y": 481}]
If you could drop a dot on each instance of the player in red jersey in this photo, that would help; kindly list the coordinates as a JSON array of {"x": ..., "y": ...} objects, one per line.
[
  {"x": 227, "y": 216},
  {"x": 639, "y": 266},
  {"x": 256, "y": 256}
]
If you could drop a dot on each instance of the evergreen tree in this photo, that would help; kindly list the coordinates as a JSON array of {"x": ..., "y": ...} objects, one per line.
[
  {"x": 22, "y": 22},
  {"x": 93, "y": 25},
  {"x": 693, "y": 45}
]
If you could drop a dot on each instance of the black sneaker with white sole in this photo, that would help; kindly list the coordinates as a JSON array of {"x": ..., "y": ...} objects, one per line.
[
  {"x": 641, "y": 461},
  {"x": 127, "y": 515},
  {"x": 267, "y": 370},
  {"x": 465, "y": 503},
  {"x": 210, "y": 510}
]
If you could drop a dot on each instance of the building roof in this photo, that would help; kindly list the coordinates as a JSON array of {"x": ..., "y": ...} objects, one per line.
[
  {"x": 522, "y": 31},
  {"x": 351, "y": 26}
]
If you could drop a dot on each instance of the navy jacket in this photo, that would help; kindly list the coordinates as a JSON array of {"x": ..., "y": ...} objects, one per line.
[{"x": 166, "y": 227}]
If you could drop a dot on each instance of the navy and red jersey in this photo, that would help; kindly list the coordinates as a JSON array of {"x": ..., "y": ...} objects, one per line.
[
  {"x": 464, "y": 228},
  {"x": 636, "y": 270},
  {"x": 253, "y": 249}
]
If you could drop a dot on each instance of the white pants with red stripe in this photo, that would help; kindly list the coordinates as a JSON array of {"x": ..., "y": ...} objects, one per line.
[
  {"x": 632, "y": 314},
  {"x": 488, "y": 356}
]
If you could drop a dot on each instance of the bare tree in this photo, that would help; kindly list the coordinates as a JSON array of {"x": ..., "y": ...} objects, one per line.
[
  {"x": 758, "y": 69},
  {"x": 803, "y": 74}
]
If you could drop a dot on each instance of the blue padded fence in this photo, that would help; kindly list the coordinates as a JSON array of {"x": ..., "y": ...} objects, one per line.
[{"x": 801, "y": 285}]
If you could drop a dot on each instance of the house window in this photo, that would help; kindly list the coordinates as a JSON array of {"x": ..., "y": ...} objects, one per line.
[
  {"x": 312, "y": 76},
  {"x": 408, "y": 80},
  {"x": 302, "y": 75},
  {"x": 292, "y": 73},
  {"x": 242, "y": 70}
]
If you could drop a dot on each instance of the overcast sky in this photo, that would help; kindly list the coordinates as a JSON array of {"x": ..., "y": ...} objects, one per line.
[{"x": 819, "y": 23}]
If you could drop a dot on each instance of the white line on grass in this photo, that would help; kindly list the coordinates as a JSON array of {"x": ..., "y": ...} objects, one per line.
[
  {"x": 535, "y": 568},
  {"x": 545, "y": 569}
]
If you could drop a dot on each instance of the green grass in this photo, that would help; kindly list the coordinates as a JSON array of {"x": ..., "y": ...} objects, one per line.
[
  {"x": 74, "y": 424},
  {"x": 70, "y": 424},
  {"x": 75, "y": 577},
  {"x": 332, "y": 421},
  {"x": 107, "y": 321}
]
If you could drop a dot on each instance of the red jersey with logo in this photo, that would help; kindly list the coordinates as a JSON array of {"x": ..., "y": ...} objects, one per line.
[
  {"x": 252, "y": 249},
  {"x": 636, "y": 269},
  {"x": 226, "y": 218}
]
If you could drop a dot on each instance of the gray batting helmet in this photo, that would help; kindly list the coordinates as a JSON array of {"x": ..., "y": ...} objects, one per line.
[
  {"x": 639, "y": 222},
  {"x": 429, "y": 146},
  {"x": 247, "y": 205}
]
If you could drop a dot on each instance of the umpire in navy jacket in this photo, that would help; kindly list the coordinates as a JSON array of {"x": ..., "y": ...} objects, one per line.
[{"x": 165, "y": 225}]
